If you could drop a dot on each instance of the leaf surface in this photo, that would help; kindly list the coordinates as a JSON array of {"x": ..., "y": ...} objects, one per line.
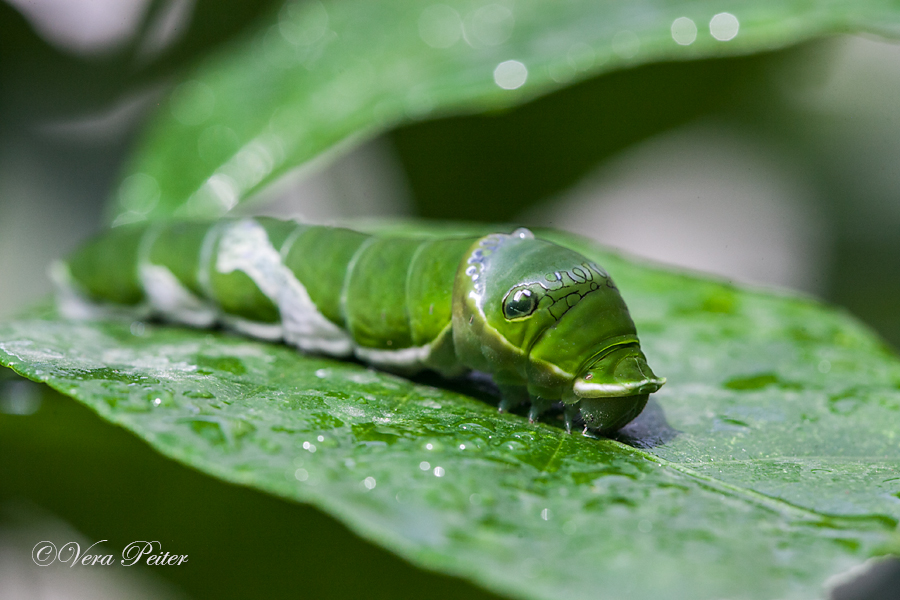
[
  {"x": 768, "y": 463},
  {"x": 319, "y": 76}
]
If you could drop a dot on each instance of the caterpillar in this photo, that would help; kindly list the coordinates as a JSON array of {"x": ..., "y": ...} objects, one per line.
[{"x": 546, "y": 323}]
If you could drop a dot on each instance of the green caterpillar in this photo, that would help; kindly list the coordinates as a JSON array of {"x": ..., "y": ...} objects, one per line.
[{"x": 546, "y": 323}]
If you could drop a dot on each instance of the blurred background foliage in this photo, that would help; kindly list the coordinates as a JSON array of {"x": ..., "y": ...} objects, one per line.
[{"x": 778, "y": 169}]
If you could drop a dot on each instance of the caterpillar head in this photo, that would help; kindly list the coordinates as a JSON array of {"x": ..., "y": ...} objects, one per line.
[{"x": 538, "y": 315}]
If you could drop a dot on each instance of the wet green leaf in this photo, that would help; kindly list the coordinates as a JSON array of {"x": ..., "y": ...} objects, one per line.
[
  {"x": 769, "y": 462},
  {"x": 315, "y": 75}
]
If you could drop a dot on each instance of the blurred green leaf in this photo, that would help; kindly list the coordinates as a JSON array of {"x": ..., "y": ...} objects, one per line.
[
  {"x": 42, "y": 81},
  {"x": 315, "y": 75},
  {"x": 493, "y": 166},
  {"x": 767, "y": 464}
]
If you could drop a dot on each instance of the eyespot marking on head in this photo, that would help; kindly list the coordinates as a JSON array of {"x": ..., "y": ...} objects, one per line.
[
  {"x": 562, "y": 290},
  {"x": 519, "y": 302}
]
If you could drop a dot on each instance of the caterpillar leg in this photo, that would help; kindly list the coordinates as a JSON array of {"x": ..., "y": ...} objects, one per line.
[
  {"x": 538, "y": 407},
  {"x": 570, "y": 412},
  {"x": 511, "y": 396}
]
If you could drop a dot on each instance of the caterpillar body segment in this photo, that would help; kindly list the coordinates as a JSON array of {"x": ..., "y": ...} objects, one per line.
[{"x": 545, "y": 322}]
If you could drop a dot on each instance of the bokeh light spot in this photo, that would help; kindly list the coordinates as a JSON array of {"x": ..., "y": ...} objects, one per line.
[
  {"x": 684, "y": 31},
  {"x": 724, "y": 27},
  {"x": 510, "y": 75}
]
